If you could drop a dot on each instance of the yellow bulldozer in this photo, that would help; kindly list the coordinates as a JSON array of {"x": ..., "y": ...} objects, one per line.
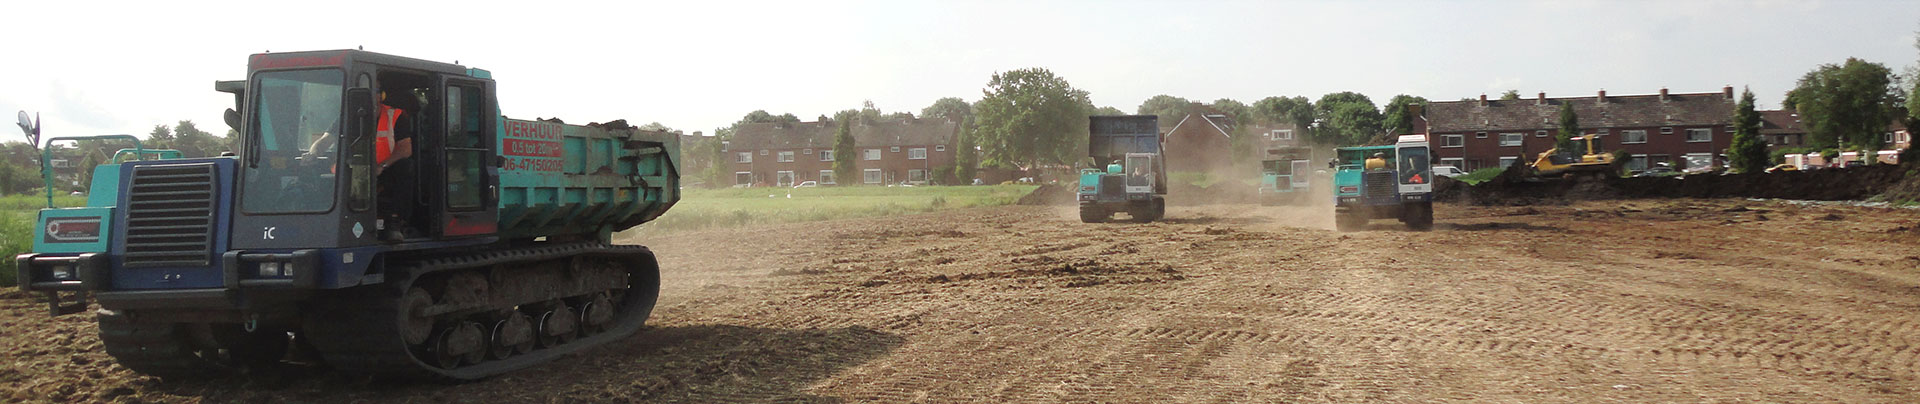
[{"x": 1586, "y": 158}]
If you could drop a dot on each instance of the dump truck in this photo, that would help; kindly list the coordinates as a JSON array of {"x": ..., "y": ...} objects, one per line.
[
  {"x": 1384, "y": 182},
  {"x": 488, "y": 249},
  {"x": 1129, "y": 173},
  {"x": 1585, "y": 159},
  {"x": 1285, "y": 175}
]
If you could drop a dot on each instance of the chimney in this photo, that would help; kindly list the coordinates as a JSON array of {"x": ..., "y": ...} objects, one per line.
[
  {"x": 1542, "y": 100},
  {"x": 1727, "y": 91},
  {"x": 1663, "y": 94},
  {"x": 1483, "y": 99},
  {"x": 1603, "y": 96}
]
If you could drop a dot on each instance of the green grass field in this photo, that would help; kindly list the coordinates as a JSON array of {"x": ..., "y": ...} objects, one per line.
[{"x": 734, "y": 207}]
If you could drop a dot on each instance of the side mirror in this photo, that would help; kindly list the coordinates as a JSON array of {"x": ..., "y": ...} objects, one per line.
[
  {"x": 26, "y": 124},
  {"x": 233, "y": 119}
]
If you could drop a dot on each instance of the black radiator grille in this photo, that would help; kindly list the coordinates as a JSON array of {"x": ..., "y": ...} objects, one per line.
[
  {"x": 1113, "y": 187},
  {"x": 1382, "y": 187},
  {"x": 170, "y": 215}
]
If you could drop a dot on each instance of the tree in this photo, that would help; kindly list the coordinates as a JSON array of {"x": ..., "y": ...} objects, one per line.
[
  {"x": 951, "y": 108},
  {"x": 843, "y": 154},
  {"x": 1748, "y": 153},
  {"x": 160, "y": 138},
  {"x": 1846, "y": 105},
  {"x": 1108, "y": 111},
  {"x": 966, "y": 156},
  {"x": 1398, "y": 119},
  {"x": 1569, "y": 127},
  {"x": 1295, "y": 111},
  {"x": 1166, "y": 107},
  {"x": 1347, "y": 118},
  {"x": 1030, "y": 117},
  {"x": 1510, "y": 95}
]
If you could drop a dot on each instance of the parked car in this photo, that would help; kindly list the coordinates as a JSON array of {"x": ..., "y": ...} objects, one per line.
[
  {"x": 1657, "y": 171},
  {"x": 1448, "y": 171},
  {"x": 1783, "y": 167}
]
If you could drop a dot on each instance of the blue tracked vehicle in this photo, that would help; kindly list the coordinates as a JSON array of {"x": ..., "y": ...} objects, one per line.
[{"x": 489, "y": 249}]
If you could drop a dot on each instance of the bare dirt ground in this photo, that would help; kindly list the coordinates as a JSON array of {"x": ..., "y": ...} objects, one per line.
[{"x": 1632, "y": 301}]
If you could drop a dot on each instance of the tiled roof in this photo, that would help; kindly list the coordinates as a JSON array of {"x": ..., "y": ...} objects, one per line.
[
  {"x": 1780, "y": 123},
  {"x": 1617, "y": 111},
  {"x": 819, "y": 135}
]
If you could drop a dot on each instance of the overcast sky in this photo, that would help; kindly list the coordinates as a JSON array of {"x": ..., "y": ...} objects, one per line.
[{"x": 92, "y": 68}]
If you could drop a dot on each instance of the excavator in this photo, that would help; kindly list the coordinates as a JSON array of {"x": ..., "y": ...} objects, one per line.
[{"x": 1586, "y": 159}]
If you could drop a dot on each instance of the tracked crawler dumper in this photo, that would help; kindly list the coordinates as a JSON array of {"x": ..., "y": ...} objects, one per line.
[{"x": 487, "y": 249}]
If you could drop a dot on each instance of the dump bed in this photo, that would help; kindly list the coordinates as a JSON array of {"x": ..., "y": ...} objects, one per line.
[
  {"x": 557, "y": 178},
  {"x": 1113, "y": 136}
]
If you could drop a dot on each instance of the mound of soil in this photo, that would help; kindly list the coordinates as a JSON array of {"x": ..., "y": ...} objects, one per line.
[
  {"x": 1827, "y": 185},
  {"x": 1048, "y": 194}
]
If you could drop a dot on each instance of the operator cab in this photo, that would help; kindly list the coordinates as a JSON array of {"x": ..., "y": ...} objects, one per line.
[{"x": 352, "y": 148}]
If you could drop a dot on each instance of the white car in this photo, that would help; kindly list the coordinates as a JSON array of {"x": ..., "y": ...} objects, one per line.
[{"x": 1447, "y": 171}]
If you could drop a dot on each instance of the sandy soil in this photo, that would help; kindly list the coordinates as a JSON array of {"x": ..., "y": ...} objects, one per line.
[{"x": 1636, "y": 301}]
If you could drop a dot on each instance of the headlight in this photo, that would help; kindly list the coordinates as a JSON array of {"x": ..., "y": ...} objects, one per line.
[
  {"x": 62, "y": 272},
  {"x": 269, "y": 269}
]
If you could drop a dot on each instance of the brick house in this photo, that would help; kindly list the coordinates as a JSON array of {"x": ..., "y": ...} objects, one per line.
[
  {"x": 1782, "y": 129},
  {"x": 1653, "y": 128},
  {"x": 888, "y": 152}
]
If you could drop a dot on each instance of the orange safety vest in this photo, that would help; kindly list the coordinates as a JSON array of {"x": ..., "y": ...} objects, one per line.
[{"x": 383, "y": 134}]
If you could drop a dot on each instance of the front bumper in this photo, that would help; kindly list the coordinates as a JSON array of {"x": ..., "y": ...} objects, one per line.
[{"x": 59, "y": 272}]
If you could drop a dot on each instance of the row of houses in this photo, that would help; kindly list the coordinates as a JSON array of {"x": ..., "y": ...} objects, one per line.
[
  {"x": 1688, "y": 129},
  {"x": 885, "y": 152}
]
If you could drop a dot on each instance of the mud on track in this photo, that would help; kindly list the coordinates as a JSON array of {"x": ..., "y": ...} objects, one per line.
[{"x": 1671, "y": 300}]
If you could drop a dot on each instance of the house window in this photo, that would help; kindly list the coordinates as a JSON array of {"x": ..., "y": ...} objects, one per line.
[
  {"x": 1508, "y": 161},
  {"x": 1281, "y": 134},
  {"x": 785, "y": 157},
  {"x": 1666, "y": 130},
  {"x": 1633, "y": 136},
  {"x": 826, "y": 177},
  {"x": 1699, "y": 161},
  {"x": 1699, "y": 135},
  {"x": 1539, "y": 133},
  {"x": 1459, "y": 163},
  {"x": 939, "y": 147},
  {"x": 1637, "y": 162},
  {"x": 807, "y": 151},
  {"x": 896, "y": 149},
  {"x": 1453, "y": 140},
  {"x": 1511, "y": 138},
  {"x": 1480, "y": 135},
  {"x": 743, "y": 178},
  {"x": 783, "y": 178},
  {"x": 1886, "y": 138},
  {"x": 763, "y": 152},
  {"x": 871, "y": 175},
  {"x": 826, "y": 155},
  {"x": 743, "y": 157},
  {"x": 917, "y": 153},
  {"x": 872, "y": 154},
  {"x": 916, "y": 175}
]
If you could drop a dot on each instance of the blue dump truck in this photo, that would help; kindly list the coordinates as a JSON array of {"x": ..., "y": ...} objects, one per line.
[
  {"x": 1285, "y": 175},
  {"x": 380, "y": 215},
  {"x": 1384, "y": 182},
  {"x": 1129, "y": 173}
]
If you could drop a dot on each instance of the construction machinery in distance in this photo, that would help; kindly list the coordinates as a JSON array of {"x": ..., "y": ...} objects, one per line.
[
  {"x": 1379, "y": 182},
  {"x": 1585, "y": 159},
  {"x": 489, "y": 248},
  {"x": 1129, "y": 173},
  {"x": 1285, "y": 175}
]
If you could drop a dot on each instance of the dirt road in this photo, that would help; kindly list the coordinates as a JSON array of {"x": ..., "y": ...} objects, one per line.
[{"x": 1622, "y": 301}]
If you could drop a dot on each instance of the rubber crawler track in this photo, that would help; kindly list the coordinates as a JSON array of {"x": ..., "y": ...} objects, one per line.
[{"x": 355, "y": 330}]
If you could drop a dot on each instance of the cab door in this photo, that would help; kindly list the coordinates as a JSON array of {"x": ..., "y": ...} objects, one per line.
[{"x": 463, "y": 184}]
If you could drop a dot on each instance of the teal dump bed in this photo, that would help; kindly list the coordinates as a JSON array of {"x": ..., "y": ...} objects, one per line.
[{"x": 570, "y": 179}]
